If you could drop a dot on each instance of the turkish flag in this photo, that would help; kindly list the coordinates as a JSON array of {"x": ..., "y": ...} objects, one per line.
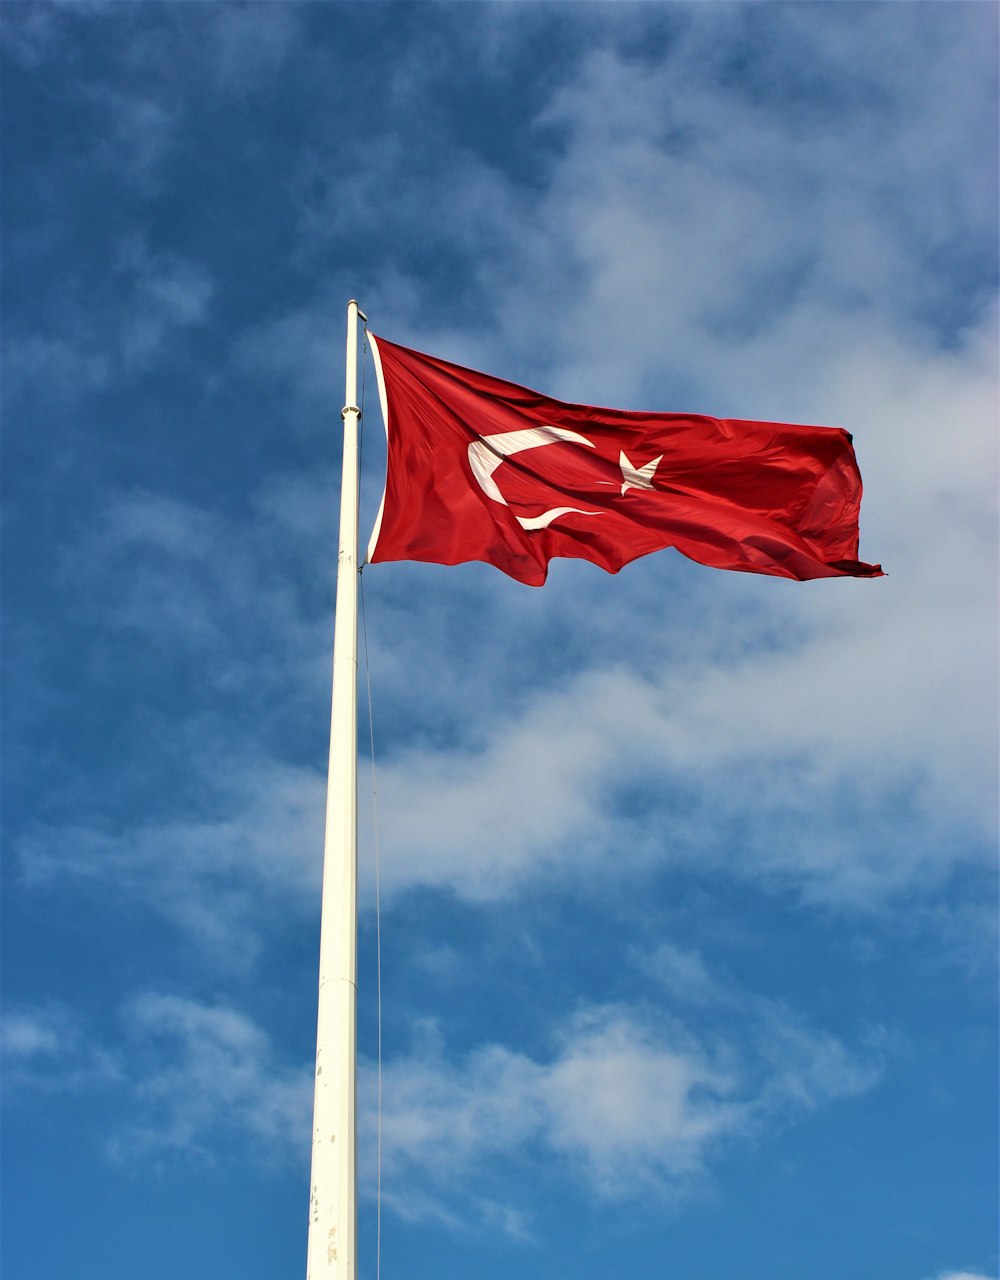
[{"x": 482, "y": 469}]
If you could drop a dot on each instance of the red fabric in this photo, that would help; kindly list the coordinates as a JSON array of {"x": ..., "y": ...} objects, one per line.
[{"x": 762, "y": 497}]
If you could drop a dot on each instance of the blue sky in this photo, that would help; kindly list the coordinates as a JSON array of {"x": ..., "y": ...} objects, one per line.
[{"x": 688, "y": 878}]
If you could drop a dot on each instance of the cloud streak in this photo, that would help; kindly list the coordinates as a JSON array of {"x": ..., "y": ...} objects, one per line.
[{"x": 630, "y": 1102}]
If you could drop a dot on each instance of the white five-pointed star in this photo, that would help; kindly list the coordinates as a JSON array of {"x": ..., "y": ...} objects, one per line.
[{"x": 637, "y": 477}]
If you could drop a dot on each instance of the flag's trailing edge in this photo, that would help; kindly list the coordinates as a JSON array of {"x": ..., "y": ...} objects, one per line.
[{"x": 483, "y": 469}]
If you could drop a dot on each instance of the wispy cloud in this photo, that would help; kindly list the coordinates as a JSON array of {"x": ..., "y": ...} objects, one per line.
[
  {"x": 630, "y": 1102},
  {"x": 114, "y": 329},
  {"x": 47, "y": 1047},
  {"x": 201, "y": 1068},
  {"x": 214, "y": 877},
  {"x": 182, "y": 1072},
  {"x": 770, "y": 737},
  {"x": 961, "y": 1275}
]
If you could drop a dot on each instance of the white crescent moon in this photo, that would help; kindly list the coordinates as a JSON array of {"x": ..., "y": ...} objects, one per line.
[{"x": 487, "y": 453}]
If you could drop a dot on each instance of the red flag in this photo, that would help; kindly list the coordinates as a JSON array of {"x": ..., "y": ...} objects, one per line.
[{"x": 482, "y": 469}]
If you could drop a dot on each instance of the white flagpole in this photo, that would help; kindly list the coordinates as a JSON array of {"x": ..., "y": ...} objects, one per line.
[{"x": 333, "y": 1215}]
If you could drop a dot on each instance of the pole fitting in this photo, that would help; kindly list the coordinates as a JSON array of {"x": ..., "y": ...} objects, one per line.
[{"x": 349, "y": 408}]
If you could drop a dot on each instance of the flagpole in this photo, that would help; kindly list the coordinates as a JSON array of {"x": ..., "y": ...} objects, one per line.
[{"x": 333, "y": 1215}]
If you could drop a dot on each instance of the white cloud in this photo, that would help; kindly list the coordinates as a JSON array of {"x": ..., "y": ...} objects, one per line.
[
  {"x": 59, "y": 365},
  {"x": 628, "y": 1104},
  {"x": 682, "y": 974},
  {"x": 190, "y": 1077},
  {"x": 191, "y": 589},
  {"x": 116, "y": 330},
  {"x": 168, "y": 293},
  {"x": 249, "y": 43},
  {"x": 32, "y": 33},
  {"x": 174, "y": 585},
  {"x": 198, "y": 1069},
  {"x": 194, "y": 582},
  {"x": 141, "y": 130},
  {"x": 296, "y": 351},
  {"x": 214, "y": 596},
  {"x": 28, "y": 32},
  {"x": 961, "y": 1275},
  {"x": 862, "y": 712},
  {"x": 635, "y": 1107},
  {"x": 214, "y": 876},
  {"x": 46, "y": 1047}
]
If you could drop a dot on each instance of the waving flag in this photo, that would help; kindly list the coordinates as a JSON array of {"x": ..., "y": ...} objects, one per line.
[{"x": 482, "y": 469}]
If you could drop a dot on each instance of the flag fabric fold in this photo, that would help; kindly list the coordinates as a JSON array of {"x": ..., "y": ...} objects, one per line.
[{"x": 483, "y": 469}]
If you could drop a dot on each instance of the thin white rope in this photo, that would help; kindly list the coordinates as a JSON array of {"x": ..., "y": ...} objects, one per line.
[{"x": 378, "y": 882}]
